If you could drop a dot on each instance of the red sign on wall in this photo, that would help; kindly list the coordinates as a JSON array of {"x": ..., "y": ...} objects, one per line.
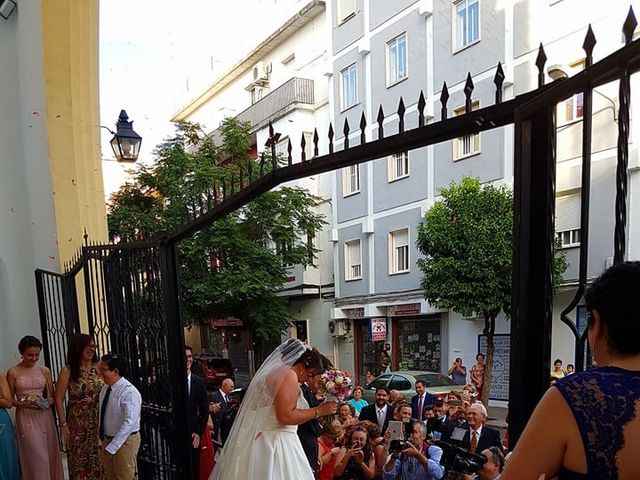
[{"x": 378, "y": 329}]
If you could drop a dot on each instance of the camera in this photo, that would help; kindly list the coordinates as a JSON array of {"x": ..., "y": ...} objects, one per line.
[
  {"x": 397, "y": 446},
  {"x": 457, "y": 459}
]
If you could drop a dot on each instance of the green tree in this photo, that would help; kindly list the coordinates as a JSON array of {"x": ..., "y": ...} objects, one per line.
[
  {"x": 466, "y": 240},
  {"x": 236, "y": 266}
]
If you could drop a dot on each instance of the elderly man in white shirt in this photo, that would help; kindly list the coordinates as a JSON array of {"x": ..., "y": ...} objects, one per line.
[{"x": 120, "y": 406}]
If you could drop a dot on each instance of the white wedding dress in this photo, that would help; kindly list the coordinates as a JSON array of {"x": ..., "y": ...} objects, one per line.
[{"x": 259, "y": 447}]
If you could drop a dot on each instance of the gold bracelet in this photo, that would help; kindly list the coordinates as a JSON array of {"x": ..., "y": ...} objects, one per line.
[{"x": 317, "y": 415}]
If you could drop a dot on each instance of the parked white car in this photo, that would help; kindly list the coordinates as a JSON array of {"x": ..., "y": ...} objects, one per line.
[{"x": 405, "y": 382}]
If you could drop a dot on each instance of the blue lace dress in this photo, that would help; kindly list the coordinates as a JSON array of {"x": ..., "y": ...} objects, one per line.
[{"x": 603, "y": 402}]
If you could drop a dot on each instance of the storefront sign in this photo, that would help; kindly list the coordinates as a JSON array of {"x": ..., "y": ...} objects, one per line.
[
  {"x": 378, "y": 329},
  {"x": 226, "y": 322},
  {"x": 354, "y": 313},
  {"x": 500, "y": 373},
  {"x": 403, "y": 310}
]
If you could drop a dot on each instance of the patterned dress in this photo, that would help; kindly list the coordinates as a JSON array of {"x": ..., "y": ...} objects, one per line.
[{"x": 82, "y": 420}]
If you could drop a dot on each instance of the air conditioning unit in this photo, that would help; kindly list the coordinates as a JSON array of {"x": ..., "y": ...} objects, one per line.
[
  {"x": 261, "y": 71},
  {"x": 337, "y": 328}
]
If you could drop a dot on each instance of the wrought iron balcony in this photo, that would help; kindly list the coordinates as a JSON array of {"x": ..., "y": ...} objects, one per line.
[
  {"x": 275, "y": 104},
  {"x": 278, "y": 102}
]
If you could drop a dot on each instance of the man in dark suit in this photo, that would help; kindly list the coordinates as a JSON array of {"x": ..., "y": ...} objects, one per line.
[
  {"x": 223, "y": 418},
  {"x": 380, "y": 412},
  {"x": 197, "y": 411},
  {"x": 477, "y": 437},
  {"x": 420, "y": 400},
  {"x": 309, "y": 431},
  {"x": 437, "y": 423}
]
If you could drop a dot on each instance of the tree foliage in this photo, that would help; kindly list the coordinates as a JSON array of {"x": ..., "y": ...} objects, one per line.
[
  {"x": 466, "y": 240},
  {"x": 236, "y": 266}
]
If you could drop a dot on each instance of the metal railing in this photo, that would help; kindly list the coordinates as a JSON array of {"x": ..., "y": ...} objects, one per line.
[{"x": 294, "y": 92}]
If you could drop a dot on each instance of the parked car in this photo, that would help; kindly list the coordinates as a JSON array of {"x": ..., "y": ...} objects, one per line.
[
  {"x": 216, "y": 370},
  {"x": 405, "y": 382}
]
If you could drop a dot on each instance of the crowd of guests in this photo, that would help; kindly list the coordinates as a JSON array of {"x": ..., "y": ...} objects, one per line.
[
  {"x": 101, "y": 420},
  {"x": 100, "y": 424},
  {"x": 358, "y": 443},
  {"x": 588, "y": 438}
]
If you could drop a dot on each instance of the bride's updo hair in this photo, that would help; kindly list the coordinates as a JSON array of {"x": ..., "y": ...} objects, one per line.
[{"x": 311, "y": 359}]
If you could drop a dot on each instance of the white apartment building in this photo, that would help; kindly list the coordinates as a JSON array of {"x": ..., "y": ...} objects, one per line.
[{"x": 281, "y": 80}]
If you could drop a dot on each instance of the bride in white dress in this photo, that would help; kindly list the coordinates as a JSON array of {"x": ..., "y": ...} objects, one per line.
[{"x": 263, "y": 442}]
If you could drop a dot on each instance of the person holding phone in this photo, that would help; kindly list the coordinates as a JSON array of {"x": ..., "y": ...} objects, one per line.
[
  {"x": 418, "y": 461},
  {"x": 458, "y": 372},
  {"x": 356, "y": 461}
]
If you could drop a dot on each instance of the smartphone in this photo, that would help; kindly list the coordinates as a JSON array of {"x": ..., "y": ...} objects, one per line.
[{"x": 396, "y": 428}]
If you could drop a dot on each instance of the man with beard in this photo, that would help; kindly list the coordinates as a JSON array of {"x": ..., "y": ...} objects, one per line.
[{"x": 380, "y": 412}]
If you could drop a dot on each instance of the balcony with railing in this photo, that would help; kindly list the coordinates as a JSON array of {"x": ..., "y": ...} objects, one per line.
[{"x": 277, "y": 103}]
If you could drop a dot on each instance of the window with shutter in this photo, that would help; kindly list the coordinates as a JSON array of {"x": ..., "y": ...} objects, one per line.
[{"x": 568, "y": 220}]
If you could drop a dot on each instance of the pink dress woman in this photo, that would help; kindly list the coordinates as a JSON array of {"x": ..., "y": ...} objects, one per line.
[{"x": 36, "y": 430}]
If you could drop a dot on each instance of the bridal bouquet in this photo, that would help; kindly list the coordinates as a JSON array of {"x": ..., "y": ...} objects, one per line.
[{"x": 336, "y": 384}]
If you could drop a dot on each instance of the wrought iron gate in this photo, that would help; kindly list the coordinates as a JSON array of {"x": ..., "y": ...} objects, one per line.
[
  {"x": 127, "y": 309},
  {"x": 132, "y": 291}
]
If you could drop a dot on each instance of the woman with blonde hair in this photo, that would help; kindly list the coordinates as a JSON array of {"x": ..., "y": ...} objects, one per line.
[
  {"x": 356, "y": 461},
  {"x": 328, "y": 449}
]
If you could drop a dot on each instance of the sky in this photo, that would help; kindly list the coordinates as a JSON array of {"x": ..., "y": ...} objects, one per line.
[{"x": 149, "y": 49}]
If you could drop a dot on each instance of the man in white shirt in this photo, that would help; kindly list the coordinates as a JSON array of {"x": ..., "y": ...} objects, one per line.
[
  {"x": 223, "y": 419},
  {"x": 120, "y": 406}
]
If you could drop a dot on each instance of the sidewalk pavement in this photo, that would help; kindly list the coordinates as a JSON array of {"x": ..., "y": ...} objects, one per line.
[{"x": 497, "y": 417}]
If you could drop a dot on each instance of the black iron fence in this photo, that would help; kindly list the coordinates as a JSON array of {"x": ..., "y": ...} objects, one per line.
[
  {"x": 132, "y": 291},
  {"x": 127, "y": 295}
]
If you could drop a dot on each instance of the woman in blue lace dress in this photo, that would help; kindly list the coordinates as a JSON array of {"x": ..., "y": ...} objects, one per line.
[{"x": 586, "y": 426}]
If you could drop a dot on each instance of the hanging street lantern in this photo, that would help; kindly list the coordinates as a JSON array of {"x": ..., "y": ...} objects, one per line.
[{"x": 125, "y": 142}]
